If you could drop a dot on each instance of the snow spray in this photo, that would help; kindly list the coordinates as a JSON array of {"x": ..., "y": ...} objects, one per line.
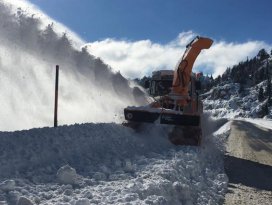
[{"x": 30, "y": 48}]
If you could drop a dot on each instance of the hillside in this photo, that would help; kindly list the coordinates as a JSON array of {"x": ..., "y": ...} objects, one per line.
[
  {"x": 242, "y": 91},
  {"x": 225, "y": 100}
]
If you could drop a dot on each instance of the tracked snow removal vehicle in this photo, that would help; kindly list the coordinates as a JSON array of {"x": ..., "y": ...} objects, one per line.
[{"x": 176, "y": 98}]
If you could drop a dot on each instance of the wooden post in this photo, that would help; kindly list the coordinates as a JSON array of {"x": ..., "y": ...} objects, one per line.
[{"x": 56, "y": 97}]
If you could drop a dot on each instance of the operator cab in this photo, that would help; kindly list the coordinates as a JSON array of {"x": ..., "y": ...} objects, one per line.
[{"x": 161, "y": 82}]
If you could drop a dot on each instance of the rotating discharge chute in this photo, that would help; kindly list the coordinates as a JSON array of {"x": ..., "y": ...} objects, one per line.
[{"x": 177, "y": 101}]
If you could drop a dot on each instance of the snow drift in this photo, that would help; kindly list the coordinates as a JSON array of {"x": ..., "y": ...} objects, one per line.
[
  {"x": 29, "y": 51},
  {"x": 114, "y": 165}
]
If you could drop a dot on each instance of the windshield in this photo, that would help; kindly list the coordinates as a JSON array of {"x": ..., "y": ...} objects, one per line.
[{"x": 162, "y": 87}]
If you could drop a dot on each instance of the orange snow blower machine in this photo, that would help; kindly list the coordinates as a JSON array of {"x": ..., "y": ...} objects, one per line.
[{"x": 176, "y": 98}]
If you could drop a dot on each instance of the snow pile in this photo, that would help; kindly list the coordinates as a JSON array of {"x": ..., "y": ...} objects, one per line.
[
  {"x": 24, "y": 201},
  {"x": 7, "y": 185},
  {"x": 110, "y": 164},
  {"x": 226, "y": 101},
  {"x": 67, "y": 175}
]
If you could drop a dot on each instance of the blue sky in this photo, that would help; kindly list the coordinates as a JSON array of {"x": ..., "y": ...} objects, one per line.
[{"x": 161, "y": 21}]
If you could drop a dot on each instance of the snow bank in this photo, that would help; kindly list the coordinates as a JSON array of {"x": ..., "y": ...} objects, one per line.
[
  {"x": 112, "y": 165},
  {"x": 266, "y": 123}
]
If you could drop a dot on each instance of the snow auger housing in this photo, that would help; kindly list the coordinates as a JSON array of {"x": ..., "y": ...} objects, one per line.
[{"x": 176, "y": 98}]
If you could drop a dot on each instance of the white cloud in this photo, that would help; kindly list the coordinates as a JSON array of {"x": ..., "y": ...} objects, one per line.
[
  {"x": 222, "y": 54},
  {"x": 139, "y": 58}
]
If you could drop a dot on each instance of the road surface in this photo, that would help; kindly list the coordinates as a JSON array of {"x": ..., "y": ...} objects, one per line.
[{"x": 248, "y": 164}]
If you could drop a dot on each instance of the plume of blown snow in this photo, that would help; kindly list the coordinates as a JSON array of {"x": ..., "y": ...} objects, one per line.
[
  {"x": 89, "y": 91},
  {"x": 32, "y": 10}
]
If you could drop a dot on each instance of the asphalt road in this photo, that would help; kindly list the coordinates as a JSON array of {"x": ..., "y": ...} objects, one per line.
[{"x": 248, "y": 164}]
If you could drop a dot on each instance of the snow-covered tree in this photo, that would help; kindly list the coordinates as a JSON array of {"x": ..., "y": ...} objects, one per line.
[
  {"x": 261, "y": 94},
  {"x": 262, "y": 54}
]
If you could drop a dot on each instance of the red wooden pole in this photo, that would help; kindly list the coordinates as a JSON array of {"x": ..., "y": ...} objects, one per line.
[{"x": 56, "y": 97}]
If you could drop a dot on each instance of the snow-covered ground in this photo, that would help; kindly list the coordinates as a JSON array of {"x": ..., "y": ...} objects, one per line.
[{"x": 110, "y": 164}]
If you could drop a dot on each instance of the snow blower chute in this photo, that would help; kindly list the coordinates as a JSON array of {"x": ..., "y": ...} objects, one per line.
[{"x": 176, "y": 98}]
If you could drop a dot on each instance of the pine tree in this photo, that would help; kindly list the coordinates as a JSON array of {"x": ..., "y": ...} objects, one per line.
[
  {"x": 211, "y": 78},
  {"x": 268, "y": 91},
  {"x": 265, "y": 109},
  {"x": 268, "y": 88},
  {"x": 261, "y": 94},
  {"x": 217, "y": 80},
  {"x": 262, "y": 54},
  {"x": 241, "y": 89}
]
